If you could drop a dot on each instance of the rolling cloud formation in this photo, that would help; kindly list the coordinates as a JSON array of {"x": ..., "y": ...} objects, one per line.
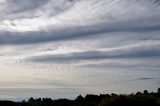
[
  {"x": 99, "y": 44},
  {"x": 115, "y": 29}
]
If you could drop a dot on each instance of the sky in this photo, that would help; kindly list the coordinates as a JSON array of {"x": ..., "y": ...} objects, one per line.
[{"x": 63, "y": 48}]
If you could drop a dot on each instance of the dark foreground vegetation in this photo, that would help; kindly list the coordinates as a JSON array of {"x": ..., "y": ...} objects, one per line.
[{"x": 138, "y": 99}]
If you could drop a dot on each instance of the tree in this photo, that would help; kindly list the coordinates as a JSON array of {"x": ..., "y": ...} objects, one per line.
[
  {"x": 31, "y": 99},
  {"x": 80, "y": 99},
  {"x": 145, "y": 92},
  {"x": 159, "y": 91}
]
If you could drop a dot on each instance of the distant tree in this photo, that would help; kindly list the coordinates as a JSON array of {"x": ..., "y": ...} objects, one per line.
[
  {"x": 38, "y": 100},
  {"x": 138, "y": 99},
  {"x": 113, "y": 94},
  {"x": 63, "y": 102},
  {"x": 23, "y": 103},
  {"x": 145, "y": 92},
  {"x": 158, "y": 90},
  {"x": 80, "y": 98},
  {"x": 31, "y": 99},
  {"x": 47, "y": 100},
  {"x": 79, "y": 101},
  {"x": 104, "y": 96},
  {"x": 138, "y": 93},
  {"x": 91, "y": 97}
]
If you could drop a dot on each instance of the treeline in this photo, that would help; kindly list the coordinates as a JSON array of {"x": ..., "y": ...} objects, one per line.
[{"x": 138, "y": 99}]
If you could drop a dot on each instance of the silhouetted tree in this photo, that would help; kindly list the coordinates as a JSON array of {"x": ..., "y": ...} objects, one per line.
[
  {"x": 31, "y": 99},
  {"x": 138, "y": 99},
  {"x": 38, "y": 100},
  {"x": 145, "y": 92},
  {"x": 80, "y": 99},
  {"x": 47, "y": 100},
  {"x": 138, "y": 93},
  {"x": 158, "y": 90}
]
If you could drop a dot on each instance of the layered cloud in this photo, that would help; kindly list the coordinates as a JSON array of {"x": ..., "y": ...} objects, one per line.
[
  {"x": 119, "y": 53},
  {"x": 106, "y": 38},
  {"x": 108, "y": 23}
]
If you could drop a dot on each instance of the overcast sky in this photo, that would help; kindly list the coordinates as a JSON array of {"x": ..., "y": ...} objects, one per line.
[{"x": 62, "y": 48}]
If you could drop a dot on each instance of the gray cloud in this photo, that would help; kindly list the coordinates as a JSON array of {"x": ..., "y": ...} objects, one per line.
[
  {"x": 146, "y": 78},
  {"x": 17, "y": 9},
  {"x": 135, "y": 52},
  {"x": 81, "y": 46},
  {"x": 16, "y": 38},
  {"x": 138, "y": 24}
]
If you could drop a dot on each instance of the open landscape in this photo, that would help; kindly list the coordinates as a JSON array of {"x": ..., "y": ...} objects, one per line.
[{"x": 79, "y": 52}]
